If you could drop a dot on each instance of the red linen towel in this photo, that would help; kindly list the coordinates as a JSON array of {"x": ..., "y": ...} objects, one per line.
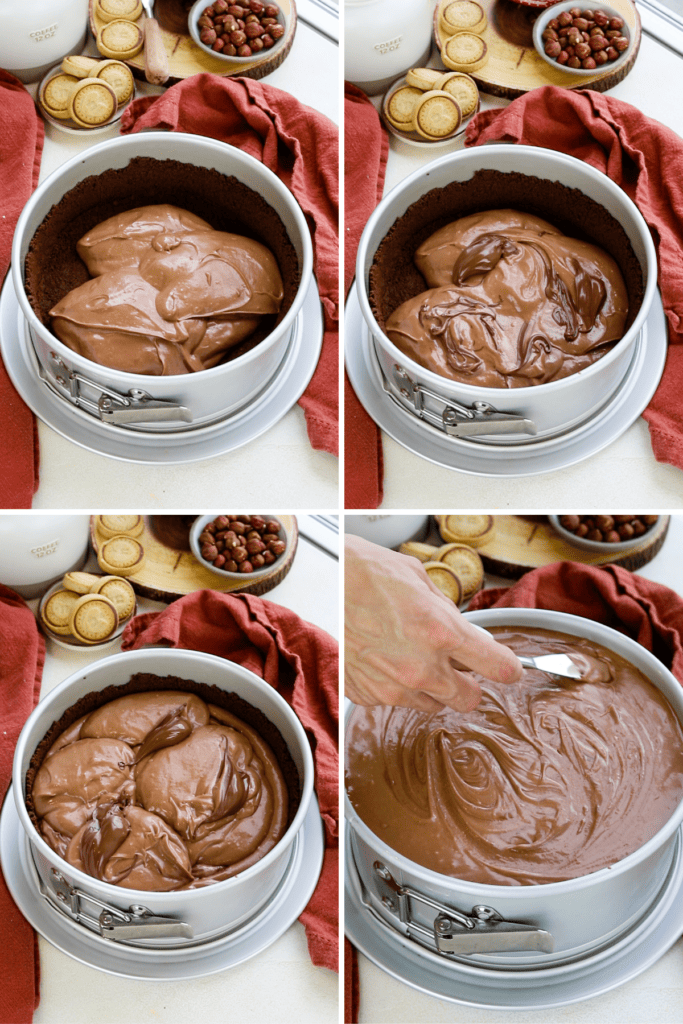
[
  {"x": 649, "y": 613},
  {"x": 22, "y": 657},
  {"x": 366, "y": 148},
  {"x": 301, "y": 146},
  {"x": 646, "y": 159},
  {"x": 21, "y": 146},
  {"x": 301, "y": 662}
]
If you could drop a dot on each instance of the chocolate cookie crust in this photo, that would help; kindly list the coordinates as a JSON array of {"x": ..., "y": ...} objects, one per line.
[
  {"x": 394, "y": 278},
  {"x": 143, "y": 682},
  {"x": 53, "y": 267}
]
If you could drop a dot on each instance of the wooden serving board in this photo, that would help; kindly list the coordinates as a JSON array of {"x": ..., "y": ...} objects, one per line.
[
  {"x": 521, "y": 544},
  {"x": 514, "y": 67},
  {"x": 185, "y": 58},
  {"x": 170, "y": 572}
]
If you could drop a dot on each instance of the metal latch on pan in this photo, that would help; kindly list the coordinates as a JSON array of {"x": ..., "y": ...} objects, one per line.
[
  {"x": 112, "y": 922},
  {"x": 454, "y": 418},
  {"x": 111, "y": 406},
  {"x": 482, "y": 931}
]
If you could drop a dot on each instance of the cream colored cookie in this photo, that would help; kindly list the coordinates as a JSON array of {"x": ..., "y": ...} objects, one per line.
[
  {"x": 56, "y": 94},
  {"x": 422, "y": 78},
  {"x": 446, "y": 579},
  {"x": 475, "y": 530},
  {"x": 114, "y": 526},
  {"x": 92, "y": 103},
  {"x": 120, "y": 40},
  {"x": 112, "y": 10},
  {"x": 120, "y": 592},
  {"x": 78, "y": 65},
  {"x": 116, "y": 74},
  {"x": 81, "y": 582},
  {"x": 57, "y": 610},
  {"x": 465, "y": 51},
  {"x": 462, "y": 88},
  {"x": 93, "y": 619},
  {"x": 400, "y": 106},
  {"x": 416, "y": 549},
  {"x": 462, "y": 16},
  {"x": 121, "y": 556},
  {"x": 436, "y": 115},
  {"x": 467, "y": 564}
]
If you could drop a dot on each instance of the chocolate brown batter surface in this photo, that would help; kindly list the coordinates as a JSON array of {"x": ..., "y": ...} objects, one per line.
[
  {"x": 541, "y": 783},
  {"x": 160, "y": 790}
]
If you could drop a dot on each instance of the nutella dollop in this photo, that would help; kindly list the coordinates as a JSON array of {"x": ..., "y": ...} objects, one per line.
[
  {"x": 167, "y": 293},
  {"x": 511, "y": 302},
  {"x": 544, "y": 781},
  {"x": 160, "y": 791}
]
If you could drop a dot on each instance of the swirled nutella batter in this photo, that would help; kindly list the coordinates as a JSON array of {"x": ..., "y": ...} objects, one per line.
[
  {"x": 512, "y": 302},
  {"x": 167, "y": 294},
  {"x": 160, "y": 791},
  {"x": 542, "y": 782}
]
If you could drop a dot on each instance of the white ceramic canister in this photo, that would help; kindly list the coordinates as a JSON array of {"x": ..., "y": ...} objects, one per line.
[
  {"x": 191, "y": 399},
  {"x": 574, "y": 919},
  {"x": 36, "y": 36},
  {"x": 195, "y": 916},
  {"x": 550, "y": 409},
  {"x": 35, "y": 550},
  {"x": 383, "y": 39}
]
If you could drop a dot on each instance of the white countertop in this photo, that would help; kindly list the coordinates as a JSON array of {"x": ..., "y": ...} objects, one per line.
[
  {"x": 653, "y": 85},
  {"x": 280, "y": 984},
  {"x": 654, "y": 997},
  {"x": 281, "y": 460}
]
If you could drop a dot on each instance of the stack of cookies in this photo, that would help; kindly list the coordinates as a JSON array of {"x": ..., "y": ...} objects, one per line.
[
  {"x": 456, "y": 567},
  {"x": 87, "y": 609},
  {"x": 431, "y": 104},
  {"x": 462, "y": 24},
  {"x": 120, "y": 552},
  {"x": 119, "y": 37},
  {"x": 86, "y": 92}
]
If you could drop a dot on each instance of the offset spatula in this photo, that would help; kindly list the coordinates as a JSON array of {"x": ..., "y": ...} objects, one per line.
[{"x": 559, "y": 665}]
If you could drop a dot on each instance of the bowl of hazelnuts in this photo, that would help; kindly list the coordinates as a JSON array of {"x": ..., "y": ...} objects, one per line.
[
  {"x": 582, "y": 40},
  {"x": 241, "y": 31},
  {"x": 235, "y": 546},
  {"x": 605, "y": 533}
]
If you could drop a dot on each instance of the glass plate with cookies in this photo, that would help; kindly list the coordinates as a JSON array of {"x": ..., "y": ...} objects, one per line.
[
  {"x": 86, "y": 610},
  {"x": 430, "y": 108},
  {"x": 85, "y": 95}
]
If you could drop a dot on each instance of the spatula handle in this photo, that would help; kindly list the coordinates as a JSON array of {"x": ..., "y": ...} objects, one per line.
[{"x": 156, "y": 59}]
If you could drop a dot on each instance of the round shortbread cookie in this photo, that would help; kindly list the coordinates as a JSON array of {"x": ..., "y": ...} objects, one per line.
[
  {"x": 475, "y": 530},
  {"x": 78, "y": 66},
  {"x": 113, "y": 10},
  {"x": 92, "y": 103},
  {"x": 56, "y": 95},
  {"x": 436, "y": 115},
  {"x": 466, "y": 563},
  {"x": 465, "y": 51},
  {"x": 416, "y": 549},
  {"x": 57, "y": 611},
  {"x": 114, "y": 526},
  {"x": 462, "y": 16},
  {"x": 446, "y": 579},
  {"x": 119, "y": 592},
  {"x": 93, "y": 619},
  {"x": 462, "y": 88},
  {"x": 401, "y": 105},
  {"x": 121, "y": 556},
  {"x": 80, "y": 582},
  {"x": 120, "y": 40},
  {"x": 422, "y": 78},
  {"x": 116, "y": 74}
]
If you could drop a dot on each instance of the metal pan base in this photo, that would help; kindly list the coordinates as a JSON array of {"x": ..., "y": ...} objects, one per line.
[
  {"x": 129, "y": 962},
  {"x": 510, "y": 460},
  {"x": 502, "y": 990},
  {"x": 183, "y": 446}
]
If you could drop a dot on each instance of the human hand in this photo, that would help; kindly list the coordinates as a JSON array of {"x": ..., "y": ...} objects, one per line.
[{"x": 406, "y": 643}]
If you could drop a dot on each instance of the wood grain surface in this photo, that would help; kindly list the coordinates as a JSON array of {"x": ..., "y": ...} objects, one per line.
[
  {"x": 521, "y": 544},
  {"x": 185, "y": 58},
  {"x": 171, "y": 572},
  {"x": 514, "y": 67}
]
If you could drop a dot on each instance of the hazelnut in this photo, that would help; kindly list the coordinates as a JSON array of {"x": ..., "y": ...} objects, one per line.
[
  {"x": 240, "y": 554},
  {"x": 564, "y": 18},
  {"x": 219, "y": 561},
  {"x": 246, "y": 567},
  {"x": 569, "y": 522},
  {"x": 620, "y": 44},
  {"x": 257, "y": 561},
  {"x": 552, "y": 48},
  {"x": 231, "y": 565},
  {"x": 209, "y": 552}
]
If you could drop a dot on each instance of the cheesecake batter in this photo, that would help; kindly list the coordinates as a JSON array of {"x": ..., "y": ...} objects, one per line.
[
  {"x": 511, "y": 302},
  {"x": 544, "y": 781},
  {"x": 160, "y": 791},
  {"x": 167, "y": 293}
]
